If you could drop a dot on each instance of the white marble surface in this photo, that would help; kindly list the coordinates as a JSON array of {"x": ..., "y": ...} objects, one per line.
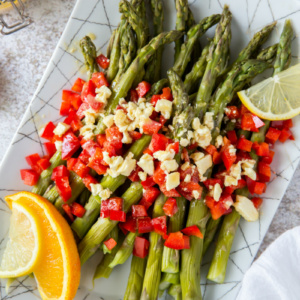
[{"x": 23, "y": 58}]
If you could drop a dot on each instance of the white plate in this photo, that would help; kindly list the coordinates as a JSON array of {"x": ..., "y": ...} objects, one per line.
[{"x": 101, "y": 17}]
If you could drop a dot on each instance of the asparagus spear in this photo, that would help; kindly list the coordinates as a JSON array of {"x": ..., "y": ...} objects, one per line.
[
  {"x": 90, "y": 53},
  {"x": 111, "y": 43},
  {"x": 211, "y": 229},
  {"x": 152, "y": 273},
  {"x": 268, "y": 54},
  {"x": 156, "y": 88},
  {"x": 84, "y": 197},
  {"x": 135, "y": 280},
  {"x": 182, "y": 13},
  {"x": 167, "y": 280},
  {"x": 114, "y": 234},
  {"x": 217, "y": 269},
  {"x": 51, "y": 193},
  {"x": 193, "y": 35},
  {"x": 175, "y": 291}
]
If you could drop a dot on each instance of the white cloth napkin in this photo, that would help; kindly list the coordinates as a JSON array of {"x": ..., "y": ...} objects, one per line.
[{"x": 276, "y": 273}]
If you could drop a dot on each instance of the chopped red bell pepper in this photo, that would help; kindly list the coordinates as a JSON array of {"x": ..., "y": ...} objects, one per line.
[
  {"x": 141, "y": 247},
  {"x": 176, "y": 241},
  {"x": 149, "y": 182},
  {"x": 65, "y": 108},
  {"x": 139, "y": 211},
  {"x": 114, "y": 137},
  {"x": 192, "y": 230},
  {"x": 115, "y": 203},
  {"x": 148, "y": 151},
  {"x": 70, "y": 163},
  {"x": 78, "y": 85},
  {"x": 99, "y": 79},
  {"x": 232, "y": 136},
  {"x": 143, "y": 88},
  {"x": 217, "y": 158},
  {"x": 70, "y": 145},
  {"x": 170, "y": 207},
  {"x": 144, "y": 225},
  {"x": 219, "y": 208},
  {"x": 117, "y": 215},
  {"x": 77, "y": 210},
  {"x": 48, "y": 133},
  {"x": 101, "y": 139},
  {"x": 244, "y": 144},
  {"x": 134, "y": 97},
  {"x": 134, "y": 175},
  {"x": 60, "y": 171},
  {"x": 212, "y": 181},
  {"x": 73, "y": 120},
  {"x": 44, "y": 163},
  {"x": 171, "y": 193},
  {"x": 158, "y": 142},
  {"x": 257, "y": 121},
  {"x": 93, "y": 103},
  {"x": 33, "y": 159},
  {"x": 63, "y": 187},
  {"x": 130, "y": 224},
  {"x": 272, "y": 135},
  {"x": 88, "y": 179},
  {"x": 186, "y": 241},
  {"x": 268, "y": 159},
  {"x": 211, "y": 149},
  {"x": 111, "y": 150},
  {"x": 227, "y": 157},
  {"x": 110, "y": 244},
  {"x": 255, "y": 187},
  {"x": 154, "y": 99},
  {"x": 257, "y": 202},
  {"x": 104, "y": 211},
  {"x": 173, "y": 147},
  {"x": 263, "y": 149},
  {"x": 30, "y": 177},
  {"x": 288, "y": 123},
  {"x": 102, "y": 61},
  {"x": 81, "y": 169},
  {"x": 135, "y": 135},
  {"x": 192, "y": 172},
  {"x": 67, "y": 209},
  {"x": 50, "y": 149},
  {"x": 284, "y": 135},
  {"x": 230, "y": 189},
  {"x": 167, "y": 94},
  {"x": 88, "y": 88},
  {"x": 160, "y": 225},
  {"x": 247, "y": 122},
  {"x": 159, "y": 175},
  {"x": 80, "y": 112},
  {"x": 69, "y": 96},
  {"x": 243, "y": 110},
  {"x": 96, "y": 165},
  {"x": 151, "y": 127},
  {"x": 264, "y": 171},
  {"x": 232, "y": 112},
  {"x": 151, "y": 194}
]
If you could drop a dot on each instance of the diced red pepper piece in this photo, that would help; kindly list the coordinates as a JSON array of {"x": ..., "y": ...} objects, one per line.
[
  {"x": 77, "y": 210},
  {"x": 78, "y": 85},
  {"x": 88, "y": 179},
  {"x": 74, "y": 121},
  {"x": 114, "y": 137},
  {"x": 33, "y": 159},
  {"x": 217, "y": 158},
  {"x": 44, "y": 163},
  {"x": 63, "y": 187},
  {"x": 139, "y": 211},
  {"x": 192, "y": 172},
  {"x": 134, "y": 175},
  {"x": 111, "y": 150},
  {"x": 149, "y": 182},
  {"x": 170, "y": 207},
  {"x": 93, "y": 103},
  {"x": 219, "y": 208},
  {"x": 244, "y": 144},
  {"x": 257, "y": 202},
  {"x": 148, "y": 151},
  {"x": 69, "y": 96},
  {"x": 162, "y": 120},
  {"x": 83, "y": 107},
  {"x": 255, "y": 187},
  {"x": 144, "y": 225},
  {"x": 154, "y": 99},
  {"x": 30, "y": 177},
  {"x": 263, "y": 149},
  {"x": 243, "y": 110},
  {"x": 97, "y": 166},
  {"x": 257, "y": 121},
  {"x": 104, "y": 211},
  {"x": 143, "y": 88},
  {"x": 232, "y": 112},
  {"x": 192, "y": 230},
  {"x": 173, "y": 147},
  {"x": 247, "y": 122},
  {"x": 158, "y": 142},
  {"x": 185, "y": 155},
  {"x": 230, "y": 189},
  {"x": 64, "y": 108},
  {"x": 272, "y": 135},
  {"x": 117, "y": 215},
  {"x": 159, "y": 175},
  {"x": 141, "y": 247},
  {"x": 135, "y": 135},
  {"x": 212, "y": 182},
  {"x": 50, "y": 149},
  {"x": 232, "y": 136},
  {"x": 101, "y": 139},
  {"x": 70, "y": 163},
  {"x": 102, "y": 61},
  {"x": 268, "y": 159},
  {"x": 288, "y": 123},
  {"x": 176, "y": 241},
  {"x": 277, "y": 124},
  {"x": 171, "y": 193},
  {"x": 190, "y": 190},
  {"x": 150, "y": 195},
  {"x": 88, "y": 88},
  {"x": 70, "y": 145},
  {"x": 160, "y": 225},
  {"x": 167, "y": 94},
  {"x": 99, "y": 79},
  {"x": 81, "y": 169},
  {"x": 134, "y": 97},
  {"x": 186, "y": 241},
  {"x": 110, "y": 244},
  {"x": 211, "y": 149},
  {"x": 60, "y": 171},
  {"x": 130, "y": 224},
  {"x": 264, "y": 171},
  {"x": 227, "y": 157},
  {"x": 48, "y": 133},
  {"x": 67, "y": 209},
  {"x": 151, "y": 127},
  {"x": 284, "y": 135},
  {"x": 115, "y": 203}
]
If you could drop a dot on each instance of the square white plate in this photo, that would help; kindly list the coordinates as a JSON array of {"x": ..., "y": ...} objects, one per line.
[{"x": 101, "y": 17}]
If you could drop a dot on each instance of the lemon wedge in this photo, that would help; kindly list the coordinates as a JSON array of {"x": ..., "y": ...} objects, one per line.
[{"x": 275, "y": 98}]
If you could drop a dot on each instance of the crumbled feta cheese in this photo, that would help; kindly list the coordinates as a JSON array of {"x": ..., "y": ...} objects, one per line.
[
  {"x": 229, "y": 180},
  {"x": 246, "y": 208},
  {"x": 108, "y": 121},
  {"x": 216, "y": 192},
  {"x": 185, "y": 166},
  {"x": 228, "y": 203},
  {"x": 98, "y": 190},
  {"x": 208, "y": 120},
  {"x": 169, "y": 165},
  {"x": 121, "y": 120},
  {"x": 90, "y": 116},
  {"x": 235, "y": 171},
  {"x": 204, "y": 164},
  {"x": 165, "y": 107},
  {"x": 202, "y": 136},
  {"x": 172, "y": 180},
  {"x": 142, "y": 175},
  {"x": 219, "y": 141},
  {"x": 103, "y": 93},
  {"x": 87, "y": 131},
  {"x": 196, "y": 194},
  {"x": 188, "y": 178},
  {"x": 164, "y": 155},
  {"x": 58, "y": 145},
  {"x": 248, "y": 168},
  {"x": 184, "y": 142},
  {"x": 248, "y": 163},
  {"x": 250, "y": 173},
  {"x": 127, "y": 139},
  {"x": 119, "y": 166},
  {"x": 196, "y": 124},
  {"x": 61, "y": 129},
  {"x": 197, "y": 156},
  {"x": 231, "y": 150},
  {"x": 147, "y": 164},
  {"x": 106, "y": 157}
]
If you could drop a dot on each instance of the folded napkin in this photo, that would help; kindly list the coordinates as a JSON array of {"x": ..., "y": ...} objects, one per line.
[{"x": 276, "y": 273}]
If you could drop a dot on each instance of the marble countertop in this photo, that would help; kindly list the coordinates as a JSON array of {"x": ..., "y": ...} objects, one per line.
[{"x": 24, "y": 56}]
